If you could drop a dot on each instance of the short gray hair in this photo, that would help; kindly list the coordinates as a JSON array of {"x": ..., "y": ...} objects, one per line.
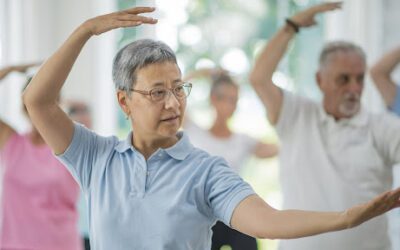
[
  {"x": 137, "y": 55},
  {"x": 339, "y": 46}
]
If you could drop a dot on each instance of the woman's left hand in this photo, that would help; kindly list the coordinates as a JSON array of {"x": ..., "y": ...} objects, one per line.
[
  {"x": 120, "y": 19},
  {"x": 356, "y": 215}
]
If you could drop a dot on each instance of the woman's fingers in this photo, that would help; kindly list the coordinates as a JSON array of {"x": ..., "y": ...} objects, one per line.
[
  {"x": 386, "y": 202},
  {"x": 139, "y": 10},
  {"x": 121, "y": 19},
  {"x": 142, "y": 19}
]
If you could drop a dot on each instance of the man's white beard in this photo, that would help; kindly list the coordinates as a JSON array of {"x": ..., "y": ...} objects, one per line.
[{"x": 350, "y": 105}]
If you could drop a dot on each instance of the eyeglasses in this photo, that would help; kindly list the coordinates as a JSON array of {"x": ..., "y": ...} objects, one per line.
[{"x": 159, "y": 94}]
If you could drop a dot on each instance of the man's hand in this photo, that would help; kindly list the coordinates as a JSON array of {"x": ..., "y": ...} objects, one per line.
[{"x": 306, "y": 18}]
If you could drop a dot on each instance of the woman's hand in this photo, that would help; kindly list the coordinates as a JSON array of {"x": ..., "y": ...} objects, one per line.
[
  {"x": 306, "y": 18},
  {"x": 126, "y": 18},
  {"x": 358, "y": 214}
]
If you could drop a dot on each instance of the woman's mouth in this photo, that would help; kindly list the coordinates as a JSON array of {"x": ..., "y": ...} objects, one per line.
[{"x": 171, "y": 119}]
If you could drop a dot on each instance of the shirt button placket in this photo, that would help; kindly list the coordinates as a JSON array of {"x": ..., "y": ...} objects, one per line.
[{"x": 139, "y": 177}]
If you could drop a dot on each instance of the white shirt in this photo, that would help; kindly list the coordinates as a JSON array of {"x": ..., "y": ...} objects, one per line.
[
  {"x": 329, "y": 165},
  {"x": 235, "y": 149}
]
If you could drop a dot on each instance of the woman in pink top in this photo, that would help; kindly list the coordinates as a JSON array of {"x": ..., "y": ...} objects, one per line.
[{"x": 39, "y": 195}]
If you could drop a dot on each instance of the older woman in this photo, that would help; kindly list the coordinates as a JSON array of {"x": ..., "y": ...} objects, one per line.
[
  {"x": 39, "y": 198},
  {"x": 154, "y": 190}
]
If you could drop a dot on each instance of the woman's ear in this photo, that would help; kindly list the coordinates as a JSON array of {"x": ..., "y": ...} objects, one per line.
[{"x": 123, "y": 97}]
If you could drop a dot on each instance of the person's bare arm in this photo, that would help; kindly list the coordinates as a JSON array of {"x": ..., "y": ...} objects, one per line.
[
  {"x": 204, "y": 73},
  {"x": 265, "y": 150},
  {"x": 381, "y": 75},
  {"x": 267, "y": 62},
  {"x": 42, "y": 93},
  {"x": 6, "y": 130},
  {"x": 5, "y": 71},
  {"x": 253, "y": 216},
  {"x": 22, "y": 68}
]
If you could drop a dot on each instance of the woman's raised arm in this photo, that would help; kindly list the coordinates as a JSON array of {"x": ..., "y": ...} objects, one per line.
[{"x": 41, "y": 96}]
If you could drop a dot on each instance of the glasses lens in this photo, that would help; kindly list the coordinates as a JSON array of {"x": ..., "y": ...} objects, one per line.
[
  {"x": 182, "y": 90},
  {"x": 158, "y": 94}
]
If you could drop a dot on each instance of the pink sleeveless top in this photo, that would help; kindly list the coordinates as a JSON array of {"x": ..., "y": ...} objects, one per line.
[{"x": 39, "y": 199}]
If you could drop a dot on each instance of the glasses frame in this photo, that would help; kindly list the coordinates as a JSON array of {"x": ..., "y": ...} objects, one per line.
[{"x": 169, "y": 90}]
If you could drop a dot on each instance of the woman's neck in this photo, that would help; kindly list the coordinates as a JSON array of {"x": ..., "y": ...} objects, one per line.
[
  {"x": 147, "y": 146},
  {"x": 220, "y": 128}
]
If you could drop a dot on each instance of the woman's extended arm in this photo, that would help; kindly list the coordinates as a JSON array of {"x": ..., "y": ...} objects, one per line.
[
  {"x": 41, "y": 96},
  {"x": 253, "y": 216}
]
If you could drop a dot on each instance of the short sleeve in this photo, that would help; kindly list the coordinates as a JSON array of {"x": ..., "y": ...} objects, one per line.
[
  {"x": 396, "y": 104},
  {"x": 225, "y": 190},
  {"x": 295, "y": 109},
  {"x": 288, "y": 114},
  {"x": 386, "y": 132},
  {"x": 86, "y": 151}
]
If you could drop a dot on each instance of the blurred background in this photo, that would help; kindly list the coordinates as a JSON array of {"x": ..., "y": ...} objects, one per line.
[{"x": 204, "y": 33}]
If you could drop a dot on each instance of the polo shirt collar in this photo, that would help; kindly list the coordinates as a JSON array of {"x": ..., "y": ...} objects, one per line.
[
  {"x": 179, "y": 151},
  {"x": 358, "y": 120},
  {"x": 182, "y": 148},
  {"x": 124, "y": 145}
]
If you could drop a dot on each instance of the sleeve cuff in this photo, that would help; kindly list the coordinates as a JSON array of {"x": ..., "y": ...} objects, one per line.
[{"x": 234, "y": 202}]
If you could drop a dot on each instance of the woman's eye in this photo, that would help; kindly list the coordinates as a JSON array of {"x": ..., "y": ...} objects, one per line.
[
  {"x": 179, "y": 89},
  {"x": 159, "y": 92}
]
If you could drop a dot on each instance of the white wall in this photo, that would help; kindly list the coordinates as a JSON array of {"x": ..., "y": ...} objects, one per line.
[{"x": 33, "y": 29}]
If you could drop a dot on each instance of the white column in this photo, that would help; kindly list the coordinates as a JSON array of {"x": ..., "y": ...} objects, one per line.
[{"x": 105, "y": 106}]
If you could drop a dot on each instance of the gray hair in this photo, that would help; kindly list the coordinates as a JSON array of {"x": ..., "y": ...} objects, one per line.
[
  {"x": 339, "y": 46},
  {"x": 137, "y": 55}
]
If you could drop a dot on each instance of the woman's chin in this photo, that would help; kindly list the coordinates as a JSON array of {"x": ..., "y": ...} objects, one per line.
[{"x": 169, "y": 132}]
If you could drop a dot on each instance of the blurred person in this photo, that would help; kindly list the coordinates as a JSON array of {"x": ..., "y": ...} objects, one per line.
[
  {"x": 332, "y": 154},
  {"x": 39, "y": 195},
  {"x": 79, "y": 112},
  {"x": 154, "y": 190},
  {"x": 220, "y": 140},
  {"x": 381, "y": 74}
]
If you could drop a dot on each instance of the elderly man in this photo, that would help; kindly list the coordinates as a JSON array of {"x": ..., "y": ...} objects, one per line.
[
  {"x": 381, "y": 74},
  {"x": 333, "y": 154}
]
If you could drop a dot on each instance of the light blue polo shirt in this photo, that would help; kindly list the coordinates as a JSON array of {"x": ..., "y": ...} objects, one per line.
[
  {"x": 396, "y": 105},
  {"x": 170, "y": 201}
]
